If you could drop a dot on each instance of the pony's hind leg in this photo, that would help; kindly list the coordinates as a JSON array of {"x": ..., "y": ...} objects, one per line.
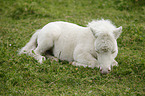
[
  {"x": 38, "y": 55},
  {"x": 43, "y": 45}
]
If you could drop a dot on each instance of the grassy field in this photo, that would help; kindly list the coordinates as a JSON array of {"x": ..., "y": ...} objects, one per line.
[{"x": 22, "y": 75}]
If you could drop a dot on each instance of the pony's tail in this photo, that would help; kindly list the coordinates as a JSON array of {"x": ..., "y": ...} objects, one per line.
[{"x": 31, "y": 45}]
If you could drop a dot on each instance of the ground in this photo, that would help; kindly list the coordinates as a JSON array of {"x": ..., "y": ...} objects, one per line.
[{"x": 22, "y": 75}]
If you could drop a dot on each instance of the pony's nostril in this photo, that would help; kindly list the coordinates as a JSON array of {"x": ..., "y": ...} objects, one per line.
[{"x": 109, "y": 69}]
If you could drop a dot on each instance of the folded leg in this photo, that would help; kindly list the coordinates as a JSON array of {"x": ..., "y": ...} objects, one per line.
[
  {"x": 52, "y": 57},
  {"x": 44, "y": 43},
  {"x": 86, "y": 60}
]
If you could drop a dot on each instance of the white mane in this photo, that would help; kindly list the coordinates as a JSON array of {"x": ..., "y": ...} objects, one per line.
[{"x": 102, "y": 26}]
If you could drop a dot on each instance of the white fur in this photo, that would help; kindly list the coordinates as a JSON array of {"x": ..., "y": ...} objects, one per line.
[{"x": 92, "y": 46}]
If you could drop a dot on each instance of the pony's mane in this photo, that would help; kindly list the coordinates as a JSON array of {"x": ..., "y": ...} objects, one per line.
[{"x": 100, "y": 26}]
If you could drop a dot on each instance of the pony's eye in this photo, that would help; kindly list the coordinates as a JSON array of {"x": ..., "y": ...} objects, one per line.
[
  {"x": 97, "y": 51},
  {"x": 113, "y": 52}
]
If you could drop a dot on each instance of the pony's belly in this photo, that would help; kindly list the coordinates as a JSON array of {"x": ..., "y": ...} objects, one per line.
[
  {"x": 63, "y": 54},
  {"x": 64, "y": 49}
]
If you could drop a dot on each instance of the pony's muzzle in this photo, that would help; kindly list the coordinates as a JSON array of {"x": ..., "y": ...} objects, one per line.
[{"x": 105, "y": 71}]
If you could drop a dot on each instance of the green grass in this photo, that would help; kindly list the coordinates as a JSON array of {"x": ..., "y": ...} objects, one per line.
[{"x": 23, "y": 75}]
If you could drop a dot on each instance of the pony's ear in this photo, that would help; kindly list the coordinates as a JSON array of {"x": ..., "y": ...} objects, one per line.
[
  {"x": 117, "y": 32},
  {"x": 94, "y": 32}
]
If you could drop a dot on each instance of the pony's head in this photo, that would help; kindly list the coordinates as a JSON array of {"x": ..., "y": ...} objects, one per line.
[{"x": 106, "y": 35}]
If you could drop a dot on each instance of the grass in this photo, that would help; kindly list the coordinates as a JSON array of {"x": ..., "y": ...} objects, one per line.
[{"x": 22, "y": 75}]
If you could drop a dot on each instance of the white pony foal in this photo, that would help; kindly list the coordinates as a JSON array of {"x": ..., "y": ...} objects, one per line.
[{"x": 92, "y": 46}]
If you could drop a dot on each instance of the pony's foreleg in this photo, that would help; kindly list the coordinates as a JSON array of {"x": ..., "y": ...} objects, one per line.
[
  {"x": 52, "y": 57},
  {"x": 115, "y": 63}
]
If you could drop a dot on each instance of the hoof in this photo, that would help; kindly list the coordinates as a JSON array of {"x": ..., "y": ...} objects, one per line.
[
  {"x": 115, "y": 63},
  {"x": 42, "y": 59}
]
